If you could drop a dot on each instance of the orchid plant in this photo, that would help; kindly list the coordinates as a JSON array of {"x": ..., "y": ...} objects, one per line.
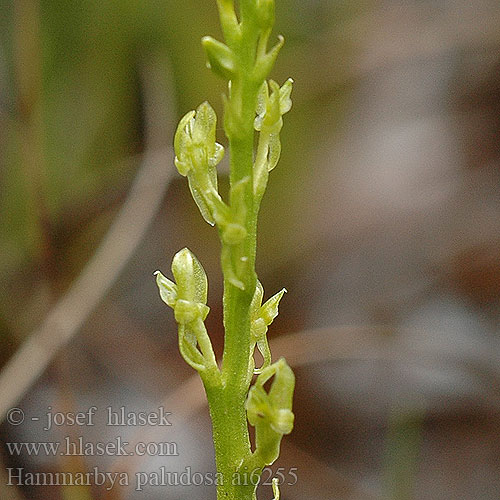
[{"x": 235, "y": 388}]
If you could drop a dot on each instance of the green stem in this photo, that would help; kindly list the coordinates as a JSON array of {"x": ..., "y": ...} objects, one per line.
[
  {"x": 227, "y": 404},
  {"x": 232, "y": 445}
]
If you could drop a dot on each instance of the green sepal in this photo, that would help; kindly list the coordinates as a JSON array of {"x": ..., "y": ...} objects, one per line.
[
  {"x": 274, "y": 151},
  {"x": 220, "y": 58},
  {"x": 167, "y": 288},
  {"x": 269, "y": 310},
  {"x": 285, "y": 99},
  {"x": 204, "y": 127},
  {"x": 201, "y": 198},
  {"x": 263, "y": 315},
  {"x": 262, "y": 104},
  {"x": 182, "y": 141},
  {"x": 265, "y": 63},
  {"x": 257, "y": 299}
]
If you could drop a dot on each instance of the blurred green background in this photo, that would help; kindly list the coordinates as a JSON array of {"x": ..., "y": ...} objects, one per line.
[{"x": 381, "y": 219}]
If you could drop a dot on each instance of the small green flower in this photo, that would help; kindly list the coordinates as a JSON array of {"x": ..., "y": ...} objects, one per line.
[
  {"x": 262, "y": 317},
  {"x": 188, "y": 298},
  {"x": 269, "y": 120},
  {"x": 271, "y": 108},
  {"x": 196, "y": 156},
  {"x": 271, "y": 413}
]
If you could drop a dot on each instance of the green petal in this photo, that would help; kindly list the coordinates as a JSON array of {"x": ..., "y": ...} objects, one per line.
[
  {"x": 274, "y": 151},
  {"x": 183, "y": 134},
  {"x": 285, "y": 100}
]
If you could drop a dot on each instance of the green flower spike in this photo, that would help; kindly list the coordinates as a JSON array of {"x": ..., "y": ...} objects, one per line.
[{"x": 251, "y": 105}]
